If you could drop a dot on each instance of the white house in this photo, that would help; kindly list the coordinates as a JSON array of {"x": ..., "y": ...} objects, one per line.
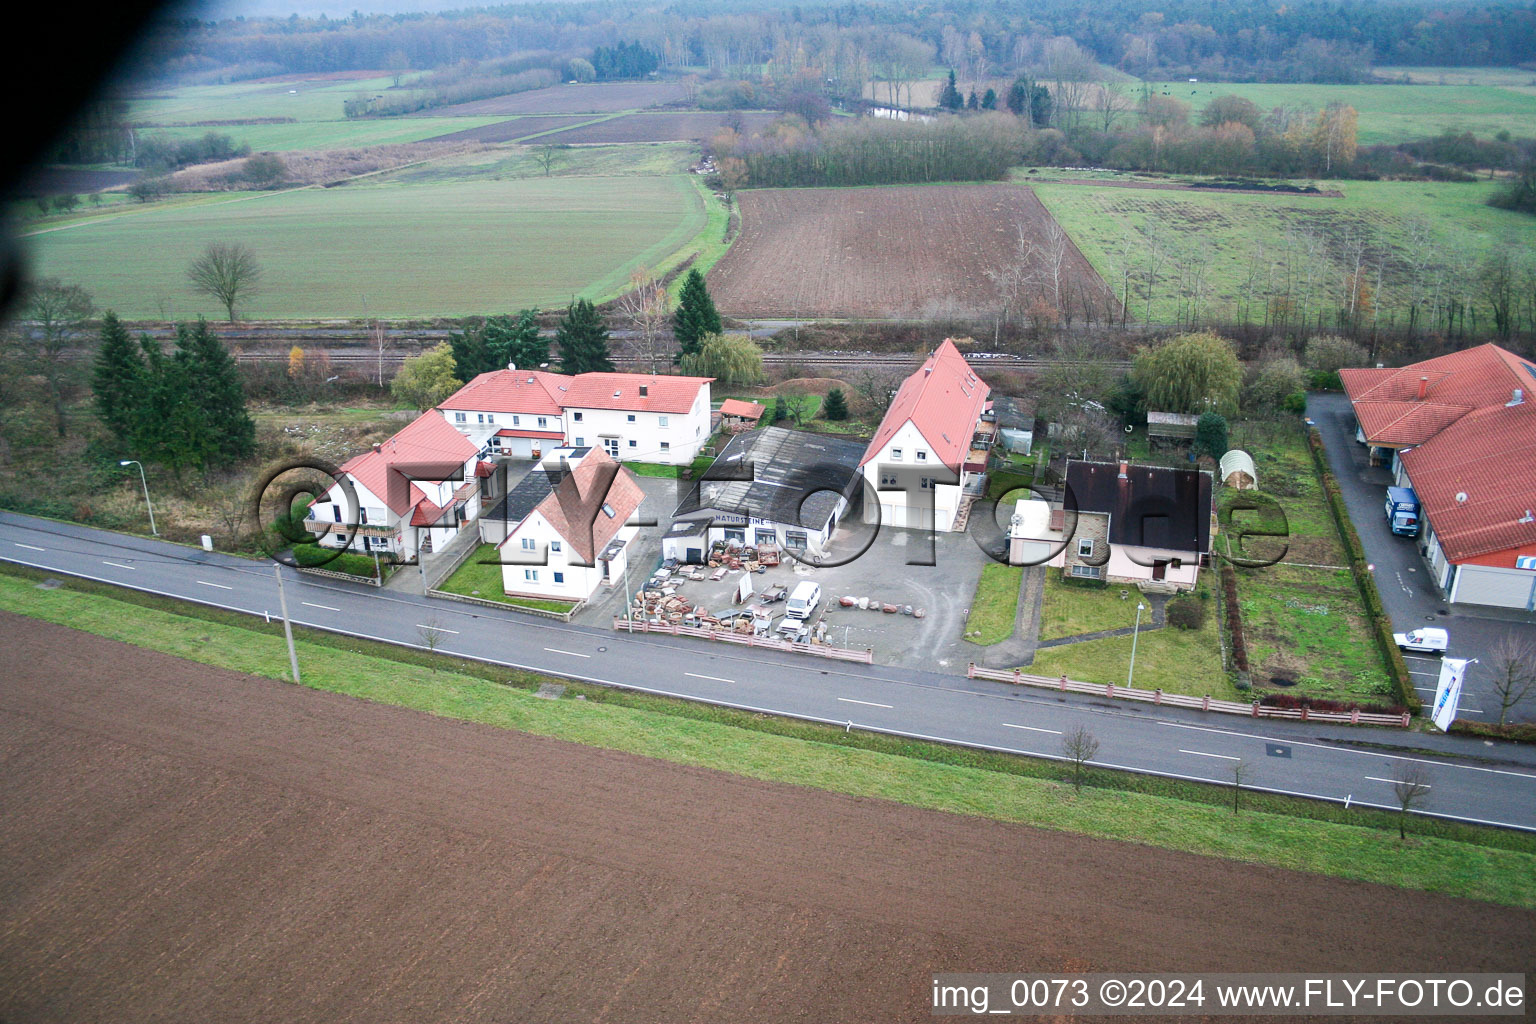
[
  {"x": 576, "y": 537},
  {"x": 412, "y": 493},
  {"x": 922, "y": 456},
  {"x": 1031, "y": 541},
  {"x": 636, "y": 417},
  {"x": 633, "y": 417},
  {"x": 770, "y": 486}
]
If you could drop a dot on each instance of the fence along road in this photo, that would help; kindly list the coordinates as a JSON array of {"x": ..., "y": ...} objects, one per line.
[{"x": 1472, "y": 782}]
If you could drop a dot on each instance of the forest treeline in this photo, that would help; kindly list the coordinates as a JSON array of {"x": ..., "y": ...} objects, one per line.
[{"x": 1311, "y": 40}]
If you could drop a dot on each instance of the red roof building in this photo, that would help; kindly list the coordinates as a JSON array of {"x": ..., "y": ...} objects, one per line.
[
  {"x": 535, "y": 392},
  {"x": 633, "y": 392},
  {"x": 1461, "y": 429}
]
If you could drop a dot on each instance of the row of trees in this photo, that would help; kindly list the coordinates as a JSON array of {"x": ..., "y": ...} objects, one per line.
[
  {"x": 624, "y": 60},
  {"x": 498, "y": 342},
  {"x": 180, "y": 410}
]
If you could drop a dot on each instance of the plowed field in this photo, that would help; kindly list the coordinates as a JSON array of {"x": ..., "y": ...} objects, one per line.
[
  {"x": 668, "y": 126},
  {"x": 183, "y": 843},
  {"x": 910, "y": 251},
  {"x": 599, "y": 97}
]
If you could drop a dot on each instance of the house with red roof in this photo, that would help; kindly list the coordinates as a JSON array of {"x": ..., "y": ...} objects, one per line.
[
  {"x": 409, "y": 495},
  {"x": 929, "y": 445},
  {"x": 633, "y": 417},
  {"x": 1460, "y": 429},
  {"x": 576, "y": 522}
]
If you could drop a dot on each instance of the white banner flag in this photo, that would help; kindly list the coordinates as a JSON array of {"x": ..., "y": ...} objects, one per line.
[{"x": 1448, "y": 692}]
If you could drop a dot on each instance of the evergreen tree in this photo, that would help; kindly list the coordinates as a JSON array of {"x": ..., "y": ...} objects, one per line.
[
  {"x": 118, "y": 379},
  {"x": 836, "y": 406},
  {"x": 583, "y": 340},
  {"x": 949, "y": 96},
  {"x": 516, "y": 341},
  {"x": 1211, "y": 435},
  {"x": 1018, "y": 98},
  {"x": 989, "y": 100},
  {"x": 471, "y": 354},
  {"x": 213, "y": 386},
  {"x": 780, "y": 409},
  {"x": 696, "y": 317},
  {"x": 973, "y": 103}
]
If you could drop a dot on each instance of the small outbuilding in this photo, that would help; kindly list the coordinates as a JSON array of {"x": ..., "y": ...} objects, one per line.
[
  {"x": 1171, "y": 427},
  {"x": 737, "y": 415},
  {"x": 1237, "y": 471}
]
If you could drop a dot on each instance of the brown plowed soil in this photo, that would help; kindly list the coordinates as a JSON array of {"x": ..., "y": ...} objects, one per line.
[
  {"x": 907, "y": 251},
  {"x": 188, "y": 844},
  {"x": 598, "y": 97}
]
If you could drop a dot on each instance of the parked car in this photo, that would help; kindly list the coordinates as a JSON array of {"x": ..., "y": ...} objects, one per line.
[
  {"x": 1425, "y": 641},
  {"x": 803, "y": 600}
]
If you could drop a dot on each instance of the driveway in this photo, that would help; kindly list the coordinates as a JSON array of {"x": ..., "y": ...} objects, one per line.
[{"x": 1407, "y": 592}]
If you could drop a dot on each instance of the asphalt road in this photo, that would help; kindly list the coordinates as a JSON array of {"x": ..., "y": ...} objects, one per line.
[
  {"x": 1403, "y": 578},
  {"x": 1472, "y": 780}
]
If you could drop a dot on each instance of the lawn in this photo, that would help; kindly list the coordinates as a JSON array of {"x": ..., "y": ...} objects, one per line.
[
  {"x": 1388, "y": 113},
  {"x": 1234, "y": 234},
  {"x": 332, "y": 134},
  {"x": 1071, "y": 611},
  {"x": 1174, "y": 660},
  {"x": 481, "y": 577},
  {"x": 996, "y": 603},
  {"x": 451, "y": 249},
  {"x": 318, "y": 99},
  {"x": 1431, "y": 863}
]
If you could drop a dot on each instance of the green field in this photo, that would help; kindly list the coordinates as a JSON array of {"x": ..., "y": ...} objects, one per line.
[
  {"x": 314, "y": 100},
  {"x": 336, "y": 134},
  {"x": 1239, "y": 231},
  {"x": 1388, "y": 113},
  {"x": 640, "y": 159},
  {"x": 451, "y": 248}
]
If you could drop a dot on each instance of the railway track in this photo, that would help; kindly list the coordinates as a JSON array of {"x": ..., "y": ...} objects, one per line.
[{"x": 808, "y": 360}]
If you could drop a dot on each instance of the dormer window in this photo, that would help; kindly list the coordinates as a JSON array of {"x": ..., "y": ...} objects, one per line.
[{"x": 645, "y": 389}]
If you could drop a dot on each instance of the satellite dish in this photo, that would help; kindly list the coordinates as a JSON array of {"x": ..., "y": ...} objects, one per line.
[
  {"x": 1129, "y": 428},
  {"x": 1461, "y": 496}
]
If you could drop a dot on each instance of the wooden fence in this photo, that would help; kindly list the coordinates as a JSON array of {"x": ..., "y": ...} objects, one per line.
[
  {"x": 507, "y": 606},
  {"x": 1179, "y": 700},
  {"x": 865, "y": 657}
]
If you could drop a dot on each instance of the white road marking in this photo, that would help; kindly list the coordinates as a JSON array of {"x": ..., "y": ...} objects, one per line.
[
  {"x": 219, "y": 585},
  {"x": 1202, "y": 753},
  {"x": 1031, "y": 728},
  {"x": 718, "y": 679},
  {"x": 119, "y": 565},
  {"x": 870, "y": 703},
  {"x": 1393, "y": 782},
  {"x": 574, "y": 654},
  {"x": 436, "y": 629},
  {"x": 1416, "y": 672},
  {"x": 325, "y": 606},
  {"x": 29, "y": 547}
]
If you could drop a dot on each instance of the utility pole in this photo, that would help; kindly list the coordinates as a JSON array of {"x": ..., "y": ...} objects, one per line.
[
  {"x": 1135, "y": 635},
  {"x": 282, "y": 606}
]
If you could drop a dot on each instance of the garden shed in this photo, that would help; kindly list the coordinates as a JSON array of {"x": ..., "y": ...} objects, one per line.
[{"x": 1237, "y": 471}]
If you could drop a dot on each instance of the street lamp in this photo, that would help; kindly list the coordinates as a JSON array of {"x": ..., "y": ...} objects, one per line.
[
  {"x": 132, "y": 462},
  {"x": 1135, "y": 633}
]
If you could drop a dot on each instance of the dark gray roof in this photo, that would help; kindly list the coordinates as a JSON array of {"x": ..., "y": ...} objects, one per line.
[
  {"x": 1011, "y": 411},
  {"x": 1153, "y": 507},
  {"x": 784, "y": 476},
  {"x": 517, "y": 503}
]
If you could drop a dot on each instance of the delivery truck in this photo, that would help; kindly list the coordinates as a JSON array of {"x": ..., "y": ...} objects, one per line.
[{"x": 1403, "y": 511}]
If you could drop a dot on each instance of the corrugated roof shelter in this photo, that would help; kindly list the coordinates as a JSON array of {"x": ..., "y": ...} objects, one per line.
[
  {"x": 778, "y": 469},
  {"x": 1237, "y": 471}
]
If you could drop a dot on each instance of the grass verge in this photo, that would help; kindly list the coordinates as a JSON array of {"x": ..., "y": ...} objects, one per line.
[
  {"x": 995, "y": 605},
  {"x": 1446, "y": 857}
]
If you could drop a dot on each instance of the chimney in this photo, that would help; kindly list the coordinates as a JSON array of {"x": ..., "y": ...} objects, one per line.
[
  {"x": 377, "y": 446},
  {"x": 1125, "y": 470},
  {"x": 1423, "y": 387},
  {"x": 1518, "y": 398}
]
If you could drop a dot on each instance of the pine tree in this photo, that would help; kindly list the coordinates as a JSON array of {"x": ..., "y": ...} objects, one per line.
[
  {"x": 472, "y": 354},
  {"x": 973, "y": 103},
  {"x": 516, "y": 341},
  {"x": 696, "y": 317},
  {"x": 949, "y": 96},
  {"x": 118, "y": 379},
  {"x": 780, "y": 409},
  {"x": 213, "y": 386},
  {"x": 989, "y": 100},
  {"x": 836, "y": 406},
  {"x": 583, "y": 340}
]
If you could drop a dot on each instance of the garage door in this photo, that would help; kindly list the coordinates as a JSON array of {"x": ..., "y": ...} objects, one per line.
[
  {"x": 1499, "y": 588},
  {"x": 906, "y": 517}
]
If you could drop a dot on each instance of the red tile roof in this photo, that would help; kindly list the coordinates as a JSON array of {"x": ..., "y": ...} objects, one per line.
[
  {"x": 746, "y": 410},
  {"x": 1477, "y": 479},
  {"x": 535, "y": 392},
  {"x": 575, "y": 508},
  {"x": 664, "y": 393},
  {"x": 427, "y": 514},
  {"x": 427, "y": 446},
  {"x": 943, "y": 399},
  {"x": 1391, "y": 412}
]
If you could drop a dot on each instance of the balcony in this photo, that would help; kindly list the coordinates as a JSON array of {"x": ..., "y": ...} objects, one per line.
[{"x": 361, "y": 530}]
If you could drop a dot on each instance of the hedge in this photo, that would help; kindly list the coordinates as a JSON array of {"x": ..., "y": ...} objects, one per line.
[
  {"x": 1291, "y": 700},
  {"x": 1234, "y": 618},
  {"x": 1518, "y": 732},
  {"x": 1381, "y": 626}
]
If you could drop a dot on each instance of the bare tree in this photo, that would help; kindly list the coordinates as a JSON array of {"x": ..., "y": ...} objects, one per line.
[
  {"x": 1513, "y": 661},
  {"x": 648, "y": 308},
  {"x": 228, "y": 271},
  {"x": 58, "y": 311},
  {"x": 1410, "y": 785},
  {"x": 548, "y": 155},
  {"x": 1079, "y": 747},
  {"x": 380, "y": 343},
  {"x": 431, "y": 637},
  {"x": 1239, "y": 770},
  {"x": 876, "y": 388}
]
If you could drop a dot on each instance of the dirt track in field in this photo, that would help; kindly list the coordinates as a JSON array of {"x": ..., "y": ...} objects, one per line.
[
  {"x": 188, "y": 844},
  {"x": 909, "y": 251}
]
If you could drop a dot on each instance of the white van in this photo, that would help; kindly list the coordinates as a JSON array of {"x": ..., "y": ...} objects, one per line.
[
  {"x": 1426, "y": 640},
  {"x": 803, "y": 600}
]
